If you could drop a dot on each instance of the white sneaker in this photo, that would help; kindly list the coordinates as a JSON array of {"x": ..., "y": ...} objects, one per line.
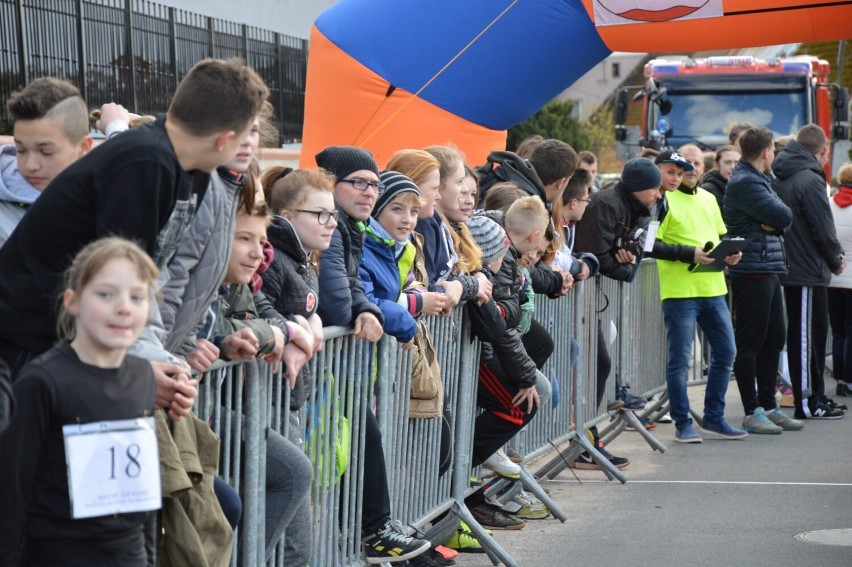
[{"x": 502, "y": 465}]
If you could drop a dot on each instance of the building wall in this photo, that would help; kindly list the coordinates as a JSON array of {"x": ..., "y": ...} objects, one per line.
[
  {"x": 290, "y": 17},
  {"x": 590, "y": 90}
]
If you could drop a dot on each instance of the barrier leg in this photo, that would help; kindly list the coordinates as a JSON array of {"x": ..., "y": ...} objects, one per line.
[
  {"x": 496, "y": 553},
  {"x": 559, "y": 462},
  {"x": 531, "y": 484},
  {"x": 631, "y": 418}
]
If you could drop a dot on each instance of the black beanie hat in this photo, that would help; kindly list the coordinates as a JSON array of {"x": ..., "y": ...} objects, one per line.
[
  {"x": 395, "y": 184},
  {"x": 345, "y": 160},
  {"x": 640, "y": 174}
]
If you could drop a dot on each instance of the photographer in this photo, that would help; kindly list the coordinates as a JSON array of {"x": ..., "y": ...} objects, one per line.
[{"x": 614, "y": 229}]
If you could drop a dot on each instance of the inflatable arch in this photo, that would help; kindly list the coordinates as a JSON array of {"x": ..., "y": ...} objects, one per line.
[{"x": 385, "y": 75}]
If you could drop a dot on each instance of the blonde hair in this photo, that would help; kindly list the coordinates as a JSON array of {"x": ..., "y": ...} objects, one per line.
[
  {"x": 287, "y": 189},
  {"x": 91, "y": 260},
  {"x": 470, "y": 255},
  {"x": 525, "y": 215},
  {"x": 844, "y": 174}
]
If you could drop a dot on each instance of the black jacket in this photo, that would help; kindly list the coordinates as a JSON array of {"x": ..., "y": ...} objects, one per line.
[
  {"x": 496, "y": 322},
  {"x": 611, "y": 223},
  {"x": 715, "y": 184},
  {"x": 342, "y": 296},
  {"x": 813, "y": 250},
  {"x": 749, "y": 203},
  {"x": 290, "y": 284}
]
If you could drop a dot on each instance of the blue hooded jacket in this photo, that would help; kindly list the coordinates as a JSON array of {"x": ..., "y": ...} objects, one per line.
[{"x": 380, "y": 276}]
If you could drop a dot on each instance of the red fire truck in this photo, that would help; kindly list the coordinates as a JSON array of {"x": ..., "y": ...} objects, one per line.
[{"x": 699, "y": 100}]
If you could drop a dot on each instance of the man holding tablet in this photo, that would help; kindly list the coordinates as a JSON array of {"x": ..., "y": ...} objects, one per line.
[{"x": 690, "y": 221}]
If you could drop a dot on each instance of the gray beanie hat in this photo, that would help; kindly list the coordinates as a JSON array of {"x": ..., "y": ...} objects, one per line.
[
  {"x": 640, "y": 174},
  {"x": 345, "y": 160},
  {"x": 489, "y": 236},
  {"x": 395, "y": 184}
]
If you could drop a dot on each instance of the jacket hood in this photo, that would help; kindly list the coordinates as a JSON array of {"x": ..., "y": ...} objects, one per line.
[
  {"x": 13, "y": 186},
  {"x": 713, "y": 177},
  {"x": 793, "y": 159}
]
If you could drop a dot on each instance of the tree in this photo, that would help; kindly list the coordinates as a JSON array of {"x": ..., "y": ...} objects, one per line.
[{"x": 554, "y": 120}]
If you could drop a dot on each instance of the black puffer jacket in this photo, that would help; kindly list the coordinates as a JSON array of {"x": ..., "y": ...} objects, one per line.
[
  {"x": 749, "y": 203},
  {"x": 342, "y": 296},
  {"x": 290, "y": 284},
  {"x": 813, "y": 250},
  {"x": 496, "y": 322},
  {"x": 715, "y": 184},
  {"x": 609, "y": 224}
]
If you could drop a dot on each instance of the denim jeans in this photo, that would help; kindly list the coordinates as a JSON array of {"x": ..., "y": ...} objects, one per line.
[{"x": 712, "y": 315}]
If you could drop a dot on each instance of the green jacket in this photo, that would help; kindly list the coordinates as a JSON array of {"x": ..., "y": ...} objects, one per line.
[{"x": 237, "y": 311}]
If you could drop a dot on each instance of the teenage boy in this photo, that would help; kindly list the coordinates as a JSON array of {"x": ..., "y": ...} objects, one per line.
[
  {"x": 507, "y": 374},
  {"x": 51, "y": 131},
  {"x": 343, "y": 302},
  {"x": 613, "y": 229},
  {"x": 813, "y": 254},
  {"x": 693, "y": 219},
  {"x": 589, "y": 161},
  {"x": 752, "y": 210},
  {"x": 144, "y": 185}
]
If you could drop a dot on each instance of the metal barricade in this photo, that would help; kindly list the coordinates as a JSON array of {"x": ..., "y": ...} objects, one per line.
[{"x": 351, "y": 377}]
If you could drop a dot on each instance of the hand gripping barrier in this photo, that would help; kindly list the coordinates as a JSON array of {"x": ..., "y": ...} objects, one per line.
[{"x": 350, "y": 377}]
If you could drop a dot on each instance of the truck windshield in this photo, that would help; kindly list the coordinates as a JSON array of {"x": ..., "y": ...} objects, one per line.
[{"x": 705, "y": 107}]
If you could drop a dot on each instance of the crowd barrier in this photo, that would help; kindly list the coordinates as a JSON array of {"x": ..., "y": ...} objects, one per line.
[{"x": 350, "y": 377}]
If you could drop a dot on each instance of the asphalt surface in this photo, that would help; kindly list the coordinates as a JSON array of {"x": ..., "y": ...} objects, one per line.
[{"x": 720, "y": 503}]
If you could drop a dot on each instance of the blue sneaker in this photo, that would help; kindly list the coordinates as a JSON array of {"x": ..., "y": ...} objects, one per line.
[
  {"x": 722, "y": 430},
  {"x": 687, "y": 434}
]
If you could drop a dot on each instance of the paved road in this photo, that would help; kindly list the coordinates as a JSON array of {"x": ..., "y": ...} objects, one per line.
[{"x": 719, "y": 504}]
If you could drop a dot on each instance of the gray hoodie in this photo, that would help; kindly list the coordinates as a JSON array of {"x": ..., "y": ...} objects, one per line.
[{"x": 16, "y": 194}]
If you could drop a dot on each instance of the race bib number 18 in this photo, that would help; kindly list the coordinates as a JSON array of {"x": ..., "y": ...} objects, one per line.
[{"x": 113, "y": 467}]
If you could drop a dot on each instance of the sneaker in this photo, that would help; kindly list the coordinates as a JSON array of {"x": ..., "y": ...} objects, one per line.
[
  {"x": 723, "y": 430},
  {"x": 391, "y": 545},
  {"x": 531, "y": 507},
  {"x": 843, "y": 390},
  {"x": 500, "y": 464},
  {"x": 513, "y": 455},
  {"x": 832, "y": 404},
  {"x": 462, "y": 540},
  {"x": 614, "y": 405},
  {"x": 585, "y": 462},
  {"x": 491, "y": 516},
  {"x": 687, "y": 434},
  {"x": 631, "y": 402},
  {"x": 824, "y": 412},
  {"x": 786, "y": 422},
  {"x": 646, "y": 423},
  {"x": 759, "y": 423},
  {"x": 446, "y": 552},
  {"x": 433, "y": 558},
  {"x": 665, "y": 418}
]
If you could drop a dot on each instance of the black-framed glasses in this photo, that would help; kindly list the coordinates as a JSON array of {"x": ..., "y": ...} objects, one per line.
[
  {"x": 363, "y": 184},
  {"x": 322, "y": 216}
]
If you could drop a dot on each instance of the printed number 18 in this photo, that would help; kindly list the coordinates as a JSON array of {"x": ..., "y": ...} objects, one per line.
[{"x": 133, "y": 468}]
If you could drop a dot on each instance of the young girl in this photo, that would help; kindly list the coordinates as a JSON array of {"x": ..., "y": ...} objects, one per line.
[{"x": 84, "y": 379}]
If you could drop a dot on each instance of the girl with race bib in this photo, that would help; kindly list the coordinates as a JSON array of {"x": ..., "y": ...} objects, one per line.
[{"x": 78, "y": 475}]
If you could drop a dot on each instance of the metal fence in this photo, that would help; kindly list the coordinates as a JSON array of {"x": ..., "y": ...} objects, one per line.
[
  {"x": 351, "y": 377},
  {"x": 134, "y": 52}
]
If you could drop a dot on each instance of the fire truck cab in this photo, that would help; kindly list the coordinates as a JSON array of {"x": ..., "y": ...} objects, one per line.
[{"x": 699, "y": 100}]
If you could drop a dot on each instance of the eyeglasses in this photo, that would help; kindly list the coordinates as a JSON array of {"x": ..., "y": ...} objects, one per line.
[
  {"x": 322, "y": 216},
  {"x": 363, "y": 184}
]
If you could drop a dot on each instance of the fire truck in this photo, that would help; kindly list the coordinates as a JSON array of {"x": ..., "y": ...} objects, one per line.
[{"x": 699, "y": 100}]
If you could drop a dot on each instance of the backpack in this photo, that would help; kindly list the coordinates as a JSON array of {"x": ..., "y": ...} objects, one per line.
[{"x": 509, "y": 166}]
